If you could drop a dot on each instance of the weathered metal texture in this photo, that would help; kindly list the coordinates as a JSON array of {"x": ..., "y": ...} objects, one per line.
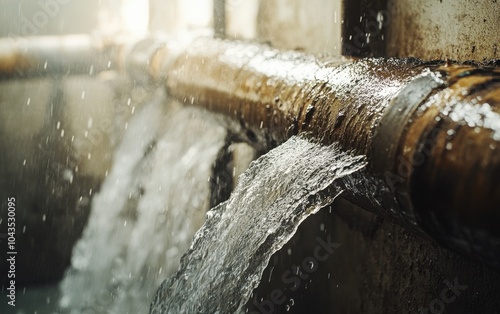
[
  {"x": 274, "y": 94},
  {"x": 431, "y": 131},
  {"x": 439, "y": 158},
  {"x": 430, "y": 29},
  {"x": 450, "y": 147},
  {"x": 56, "y": 55}
]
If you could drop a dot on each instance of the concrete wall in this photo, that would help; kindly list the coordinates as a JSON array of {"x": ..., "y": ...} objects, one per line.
[{"x": 438, "y": 29}]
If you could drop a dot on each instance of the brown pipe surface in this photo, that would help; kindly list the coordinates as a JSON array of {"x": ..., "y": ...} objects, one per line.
[{"x": 431, "y": 131}]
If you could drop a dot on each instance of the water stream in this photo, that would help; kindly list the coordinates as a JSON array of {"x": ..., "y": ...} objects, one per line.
[
  {"x": 232, "y": 249},
  {"x": 155, "y": 198},
  {"x": 144, "y": 217}
]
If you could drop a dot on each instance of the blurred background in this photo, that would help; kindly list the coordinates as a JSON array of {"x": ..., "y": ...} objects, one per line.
[{"x": 58, "y": 137}]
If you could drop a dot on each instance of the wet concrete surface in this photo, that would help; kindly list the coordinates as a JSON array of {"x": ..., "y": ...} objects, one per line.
[{"x": 377, "y": 267}]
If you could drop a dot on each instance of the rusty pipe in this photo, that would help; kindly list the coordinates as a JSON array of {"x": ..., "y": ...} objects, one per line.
[{"x": 430, "y": 131}]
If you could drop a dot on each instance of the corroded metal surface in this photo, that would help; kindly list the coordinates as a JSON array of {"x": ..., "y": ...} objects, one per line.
[
  {"x": 275, "y": 94},
  {"x": 451, "y": 144},
  {"x": 430, "y": 29},
  {"x": 431, "y": 131}
]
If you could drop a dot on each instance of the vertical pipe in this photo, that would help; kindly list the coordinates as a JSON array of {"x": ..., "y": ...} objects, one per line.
[{"x": 220, "y": 18}]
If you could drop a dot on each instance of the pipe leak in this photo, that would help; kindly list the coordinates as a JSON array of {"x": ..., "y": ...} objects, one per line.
[{"x": 430, "y": 130}]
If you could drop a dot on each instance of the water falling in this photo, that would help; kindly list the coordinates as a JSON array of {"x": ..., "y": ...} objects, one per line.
[
  {"x": 150, "y": 205},
  {"x": 232, "y": 249}
]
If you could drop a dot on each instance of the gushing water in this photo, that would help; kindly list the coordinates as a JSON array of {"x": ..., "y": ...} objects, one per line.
[
  {"x": 232, "y": 249},
  {"x": 155, "y": 198},
  {"x": 150, "y": 205}
]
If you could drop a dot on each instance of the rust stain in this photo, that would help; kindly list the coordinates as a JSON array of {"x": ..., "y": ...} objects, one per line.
[{"x": 273, "y": 95}]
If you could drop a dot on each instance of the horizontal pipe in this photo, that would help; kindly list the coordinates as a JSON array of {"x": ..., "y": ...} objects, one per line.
[
  {"x": 28, "y": 57},
  {"x": 430, "y": 131}
]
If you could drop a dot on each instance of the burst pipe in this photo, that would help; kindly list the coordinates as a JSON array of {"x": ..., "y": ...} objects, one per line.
[{"x": 430, "y": 131}]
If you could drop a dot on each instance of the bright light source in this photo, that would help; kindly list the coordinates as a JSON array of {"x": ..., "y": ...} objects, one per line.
[
  {"x": 135, "y": 17},
  {"x": 130, "y": 17}
]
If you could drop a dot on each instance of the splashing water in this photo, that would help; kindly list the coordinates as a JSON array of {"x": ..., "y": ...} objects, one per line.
[
  {"x": 150, "y": 205},
  {"x": 232, "y": 249}
]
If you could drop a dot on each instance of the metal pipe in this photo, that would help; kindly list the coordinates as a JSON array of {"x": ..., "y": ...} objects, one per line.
[
  {"x": 430, "y": 131},
  {"x": 26, "y": 57}
]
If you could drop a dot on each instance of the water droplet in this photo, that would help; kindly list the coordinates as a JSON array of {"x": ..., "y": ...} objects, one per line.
[
  {"x": 45, "y": 65},
  {"x": 477, "y": 129},
  {"x": 289, "y": 251},
  {"x": 310, "y": 264},
  {"x": 28, "y": 102},
  {"x": 449, "y": 146},
  {"x": 44, "y": 217},
  {"x": 338, "y": 121},
  {"x": 68, "y": 175},
  {"x": 62, "y": 133},
  {"x": 24, "y": 162},
  {"x": 83, "y": 94},
  {"x": 438, "y": 118},
  {"x": 451, "y": 132}
]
